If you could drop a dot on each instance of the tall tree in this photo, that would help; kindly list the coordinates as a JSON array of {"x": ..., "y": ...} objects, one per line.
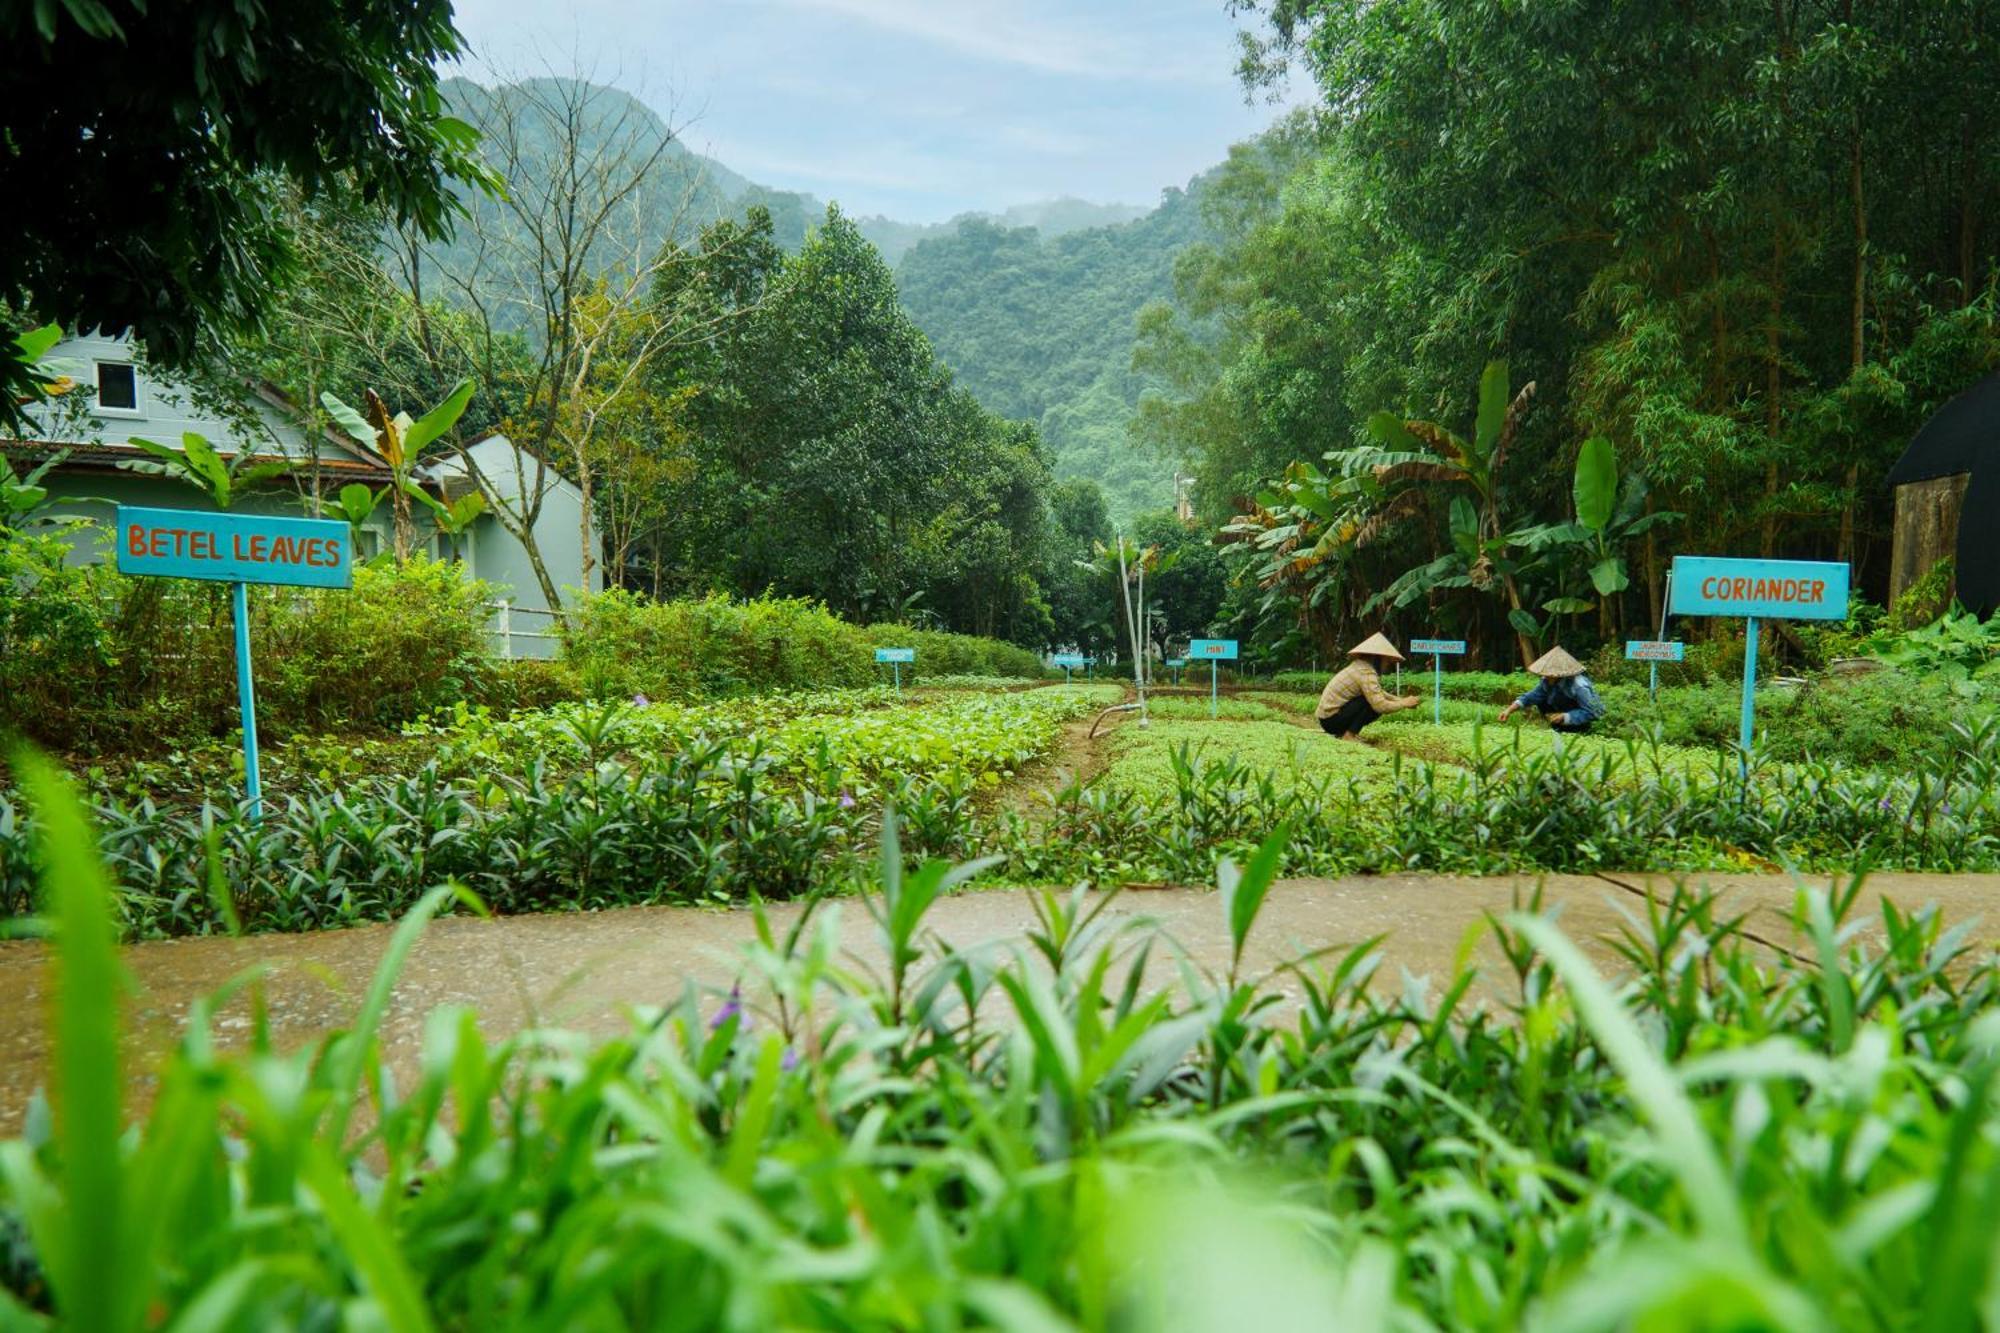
[{"x": 154, "y": 141}]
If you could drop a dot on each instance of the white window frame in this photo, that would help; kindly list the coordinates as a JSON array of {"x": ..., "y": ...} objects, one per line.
[{"x": 97, "y": 407}]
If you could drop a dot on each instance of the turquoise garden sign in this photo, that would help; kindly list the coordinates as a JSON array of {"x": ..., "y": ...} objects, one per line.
[
  {"x": 1439, "y": 649},
  {"x": 237, "y": 549},
  {"x": 1214, "y": 650},
  {"x": 1756, "y": 590},
  {"x": 895, "y": 657}
]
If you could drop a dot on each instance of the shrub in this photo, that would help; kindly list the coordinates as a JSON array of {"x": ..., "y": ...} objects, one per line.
[
  {"x": 92, "y": 660},
  {"x": 620, "y": 645}
]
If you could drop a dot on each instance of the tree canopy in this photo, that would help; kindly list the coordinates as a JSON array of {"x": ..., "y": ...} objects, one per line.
[{"x": 153, "y": 141}]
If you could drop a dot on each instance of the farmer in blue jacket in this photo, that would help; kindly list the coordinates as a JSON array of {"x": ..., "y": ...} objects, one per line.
[{"x": 1566, "y": 697}]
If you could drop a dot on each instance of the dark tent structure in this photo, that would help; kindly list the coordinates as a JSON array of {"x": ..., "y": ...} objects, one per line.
[{"x": 1962, "y": 439}]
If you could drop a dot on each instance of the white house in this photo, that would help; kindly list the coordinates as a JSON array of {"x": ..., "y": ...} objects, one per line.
[{"x": 120, "y": 397}]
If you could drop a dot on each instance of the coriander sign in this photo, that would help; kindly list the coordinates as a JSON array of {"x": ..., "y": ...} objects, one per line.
[
  {"x": 896, "y": 657},
  {"x": 1215, "y": 650},
  {"x": 237, "y": 549},
  {"x": 1756, "y": 589},
  {"x": 1439, "y": 649}
]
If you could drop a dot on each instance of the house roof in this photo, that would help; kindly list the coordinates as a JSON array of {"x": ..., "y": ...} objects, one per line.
[
  {"x": 104, "y": 456},
  {"x": 1958, "y": 436}
]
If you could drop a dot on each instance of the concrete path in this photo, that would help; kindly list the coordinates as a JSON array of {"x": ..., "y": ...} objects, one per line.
[{"x": 581, "y": 970}]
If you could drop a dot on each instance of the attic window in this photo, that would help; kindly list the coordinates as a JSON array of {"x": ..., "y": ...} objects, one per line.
[{"x": 117, "y": 387}]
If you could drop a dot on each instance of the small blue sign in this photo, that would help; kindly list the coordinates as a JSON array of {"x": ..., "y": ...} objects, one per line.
[
  {"x": 1437, "y": 647},
  {"x": 234, "y": 548},
  {"x": 1767, "y": 589},
  {"x": 895, "y": 654},
  {"x": 1214, "y": 650},
  {"x": 1655, "y": 650},
  {"x": 1177, "y": 662},
  {"x": 1067, "y": 659}
]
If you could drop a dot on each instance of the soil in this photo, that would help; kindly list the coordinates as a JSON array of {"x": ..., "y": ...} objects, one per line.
[{"x": 584, "y": 971}]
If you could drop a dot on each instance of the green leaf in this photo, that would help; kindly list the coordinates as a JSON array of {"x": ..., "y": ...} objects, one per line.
[
  {"x": 1596, "y": 484},
  {"x": 1655, "y": 1093},
  {"x": 1572, "y": 606},
  {"x": 1608, "y": 576},
  {"x": 1390, "y": 430},
  {"x": 349, "y": 420},
  {"x": 1492, "y": 407},
  {"x": 437, "y": 421},
  {"x": 85, "y": 1020},
  {"x": 206, "y": 465},
  {"x": 357, "y": 501},
  {"x": 1243, "y": 890},
  {"x": 33, "y": 345},
  {"x": 1524, "y": 622}
]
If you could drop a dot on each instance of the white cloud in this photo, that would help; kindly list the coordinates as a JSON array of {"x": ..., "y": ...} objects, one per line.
[{"x": 1005, "y": 33}]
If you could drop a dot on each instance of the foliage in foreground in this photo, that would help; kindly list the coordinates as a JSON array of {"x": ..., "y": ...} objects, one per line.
[{"x": 1064, "y": 1131}]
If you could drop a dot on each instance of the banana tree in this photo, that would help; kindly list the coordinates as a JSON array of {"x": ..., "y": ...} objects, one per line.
[
  {"x": 197, "y": 462},
  {"x": 1608, "y": 518},
  {"x": 451, "y": 520},
  {"x": 21, "y": 495},
  {"x": 1396, "y": 478},
  {"x": 400, "y": 442}
]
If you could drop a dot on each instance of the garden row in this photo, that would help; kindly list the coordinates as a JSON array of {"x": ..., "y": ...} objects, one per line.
[
  {"x": 575, "y": 807},
  {"x": 97, "y": 662},
  {"x": 1735, "y": 1138},
  {"x": 593, "y": 805}
]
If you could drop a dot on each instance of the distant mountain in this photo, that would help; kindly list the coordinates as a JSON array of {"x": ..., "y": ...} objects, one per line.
[
  {"x": 1041, "y": 327},
  {"x": 1051, "y": 217},
  {"x": 1034, "y": 307}
]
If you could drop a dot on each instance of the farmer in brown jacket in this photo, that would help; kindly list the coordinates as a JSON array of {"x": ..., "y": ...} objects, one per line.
[{"x": 1354, "y": 697}]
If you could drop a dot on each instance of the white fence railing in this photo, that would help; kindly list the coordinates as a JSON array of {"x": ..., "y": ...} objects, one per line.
[{"x": 523, "y": 631}]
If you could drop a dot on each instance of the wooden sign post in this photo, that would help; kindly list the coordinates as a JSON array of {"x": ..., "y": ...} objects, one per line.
[
  {"x": 237, "y": 549},
  {"x": 1439, "y": 649},
  {"x": 1215, "y": 650}
]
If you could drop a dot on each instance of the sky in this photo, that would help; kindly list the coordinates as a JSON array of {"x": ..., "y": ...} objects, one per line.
[{"x": 914, "y": 109}]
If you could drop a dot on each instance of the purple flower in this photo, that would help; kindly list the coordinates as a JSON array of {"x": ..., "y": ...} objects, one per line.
[
  {"x": 846, "y": 801},
  {"x": 731, "y": 1008},
  {"x": 1885, "y": 803},
  {"x": 791, "y": 1060},
  {"x": 641, "y": 700}
]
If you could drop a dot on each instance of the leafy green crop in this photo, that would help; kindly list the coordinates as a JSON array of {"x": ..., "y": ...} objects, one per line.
[{"x": 1067, "y": 1130}]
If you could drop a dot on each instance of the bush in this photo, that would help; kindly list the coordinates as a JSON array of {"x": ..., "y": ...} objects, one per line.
[
  {"x": 620, "y": 645},
  {"x": 94, "y": 661}
]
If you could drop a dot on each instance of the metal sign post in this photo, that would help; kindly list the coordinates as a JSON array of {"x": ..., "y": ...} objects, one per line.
[
  {"x": 1756, "y": 590},
  {"x": 1215, "y": 650},
  {"x": 237, "y": 549},
  {"x": 895, "y": 657},
  {"x": 1176, "y": 663},
  {"x": 1439, "y": 649},
  {"x": 1653, "y": 652},
  {"x": 1066, "y": 661}
]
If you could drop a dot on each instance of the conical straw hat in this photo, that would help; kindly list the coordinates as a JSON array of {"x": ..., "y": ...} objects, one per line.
[
  {"x": 1556, "y": 662},
  {"x": 1376, "y": 646}
]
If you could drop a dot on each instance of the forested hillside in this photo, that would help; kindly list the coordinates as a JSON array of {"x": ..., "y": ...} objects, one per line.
[
  {"x": 1033, "y": 306},
  {"x": 1042, "y": 327}
]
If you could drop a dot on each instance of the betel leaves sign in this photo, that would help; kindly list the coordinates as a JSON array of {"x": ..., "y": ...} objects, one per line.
[
  {"x": 237, "y": 549},
  {"x": 234, "y": 548}
]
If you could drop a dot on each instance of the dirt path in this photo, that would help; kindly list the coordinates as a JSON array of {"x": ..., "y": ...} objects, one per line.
[{"x": 582, "y": 970}]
